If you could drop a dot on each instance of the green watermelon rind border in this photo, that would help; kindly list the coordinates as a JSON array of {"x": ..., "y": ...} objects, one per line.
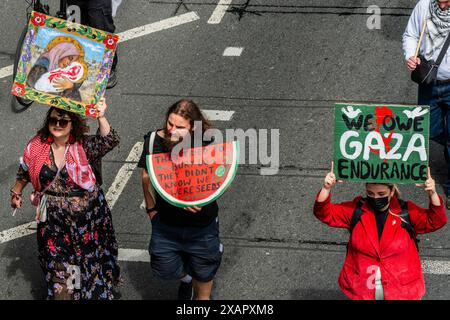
[{"x": 215, "y": 196}]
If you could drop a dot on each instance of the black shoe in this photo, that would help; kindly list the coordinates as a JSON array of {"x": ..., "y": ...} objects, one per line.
[
  {"x": 185, "y": 291},
  {"x": 112, "y": 81}
]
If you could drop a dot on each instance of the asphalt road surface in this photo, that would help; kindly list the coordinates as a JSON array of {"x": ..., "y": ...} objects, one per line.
[{"x": 295, "y": 59}]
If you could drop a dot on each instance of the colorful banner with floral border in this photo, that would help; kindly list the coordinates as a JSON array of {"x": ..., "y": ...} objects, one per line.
[{"x": 102, "y": 43}]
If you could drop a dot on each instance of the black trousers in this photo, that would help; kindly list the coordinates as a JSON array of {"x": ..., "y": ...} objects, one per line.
[{"x": 97, "y": 14}]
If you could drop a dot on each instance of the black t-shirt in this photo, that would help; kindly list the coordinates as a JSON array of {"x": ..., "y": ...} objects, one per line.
[
  {"x": 170, "y": 214},
  {"x": 380, "y": 218}
]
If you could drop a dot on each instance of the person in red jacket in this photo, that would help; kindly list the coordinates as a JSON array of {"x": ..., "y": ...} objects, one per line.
[{"x": 382, "y": 259}]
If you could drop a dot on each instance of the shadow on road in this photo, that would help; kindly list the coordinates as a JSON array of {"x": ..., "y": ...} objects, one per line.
[
  {"x": 21, "y": 256},
  {"x": 139, "y": 283}
]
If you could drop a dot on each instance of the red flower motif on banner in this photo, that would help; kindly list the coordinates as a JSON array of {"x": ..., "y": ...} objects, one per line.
[
  {"x": 111, "y": 41},
  {"x": 87, "y": 236},
  {"x": 38, "y": 19},
  {"x": 18, "y": 89},
  {"x": 96, "y": 236},
  {"x": 90, "y": 110}
]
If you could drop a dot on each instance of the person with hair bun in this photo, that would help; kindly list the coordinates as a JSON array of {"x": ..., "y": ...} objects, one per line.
[{"x": 382, "y": 261}]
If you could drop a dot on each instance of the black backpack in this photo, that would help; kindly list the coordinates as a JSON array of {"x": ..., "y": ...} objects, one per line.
[{"x": 404, "y": 215}]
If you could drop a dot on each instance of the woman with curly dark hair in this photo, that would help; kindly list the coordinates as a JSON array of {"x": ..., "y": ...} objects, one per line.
[{"x": 76, "y": 241}]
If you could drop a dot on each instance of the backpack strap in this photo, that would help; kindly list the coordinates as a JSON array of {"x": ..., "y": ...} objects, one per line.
[
  {"x": 406, "y": 220},
  {"x": 151, "y": 142},
  {"x": 443, "y": 51},
  {"x": 404, "y": 215},
  {"x": 357, "y": 213}
]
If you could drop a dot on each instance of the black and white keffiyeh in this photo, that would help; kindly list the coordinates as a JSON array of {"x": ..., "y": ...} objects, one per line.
[{"x": 438, "y": 27}]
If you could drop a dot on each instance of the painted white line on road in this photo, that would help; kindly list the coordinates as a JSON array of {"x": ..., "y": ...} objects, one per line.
[
  {"x": 6, "y": 71},
  {"x": 219, "y": 12},
  {"x": 124, "y": 175},
  {"x": 436, "y": 267},
  {"x": 18, "y": 232},
  {"x": 158, "y": 26},
  {"x": 218, "y": 115},
  {"x": 233, "y": 52},
  {"x": 134, "y": 255},
  {"x": 136, "y": 33},
  {"x": 429, "y": 266}
]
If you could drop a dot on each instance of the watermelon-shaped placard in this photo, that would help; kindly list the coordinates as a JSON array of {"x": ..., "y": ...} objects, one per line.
[{"x": 198, "y": 177}]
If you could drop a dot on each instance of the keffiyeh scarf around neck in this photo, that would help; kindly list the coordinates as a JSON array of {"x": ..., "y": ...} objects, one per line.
[
  {"x": 438, "y": 27},
  {"x": 36, "y": 154}
]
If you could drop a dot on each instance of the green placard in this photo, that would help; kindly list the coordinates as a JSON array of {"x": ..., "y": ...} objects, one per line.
[{"x": 381, "y": 143}]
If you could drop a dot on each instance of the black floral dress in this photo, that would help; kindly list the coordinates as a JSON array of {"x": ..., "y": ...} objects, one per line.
[{"x": 78, "y": 251}]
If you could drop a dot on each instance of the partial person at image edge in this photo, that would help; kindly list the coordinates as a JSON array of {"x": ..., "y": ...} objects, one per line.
[{"x": 436, "y": 13}]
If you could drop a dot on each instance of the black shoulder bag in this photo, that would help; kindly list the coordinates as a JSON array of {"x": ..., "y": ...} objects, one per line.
[{"x": 426, "y": 72}]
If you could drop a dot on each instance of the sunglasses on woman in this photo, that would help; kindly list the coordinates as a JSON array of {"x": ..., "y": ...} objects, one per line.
[{"x": 58, "y": 122}]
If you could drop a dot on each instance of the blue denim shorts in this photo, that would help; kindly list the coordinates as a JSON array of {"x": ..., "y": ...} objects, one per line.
[{"x": 177, "y": 251}]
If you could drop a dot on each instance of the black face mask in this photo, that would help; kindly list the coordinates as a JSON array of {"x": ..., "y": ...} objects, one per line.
[{"x": 378, "y": 204}]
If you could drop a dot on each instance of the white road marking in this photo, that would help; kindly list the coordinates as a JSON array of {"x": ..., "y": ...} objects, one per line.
[
  {"x": 218, "y": 115},
  {"x": 233, "y": 52},
  {"x": 158, "y": 26},
  {"x": 112, "y": 195},
  {"x": 219, "y": 12},
  {"x": 124, "y": 175},
  {"x": 429, "y": 266},
  {"x": 134, "y": 255},
  {"x": 6, "y": 71},
  {"x": 18, "y": 232},
  {"x": 136, "y": 33},
  {"x": 436, "y": 267}
]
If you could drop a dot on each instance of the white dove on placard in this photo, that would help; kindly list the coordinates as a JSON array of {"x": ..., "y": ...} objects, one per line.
[
  {"x": 417, "y": 112},
  {"x": 350, "y": 113}
]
